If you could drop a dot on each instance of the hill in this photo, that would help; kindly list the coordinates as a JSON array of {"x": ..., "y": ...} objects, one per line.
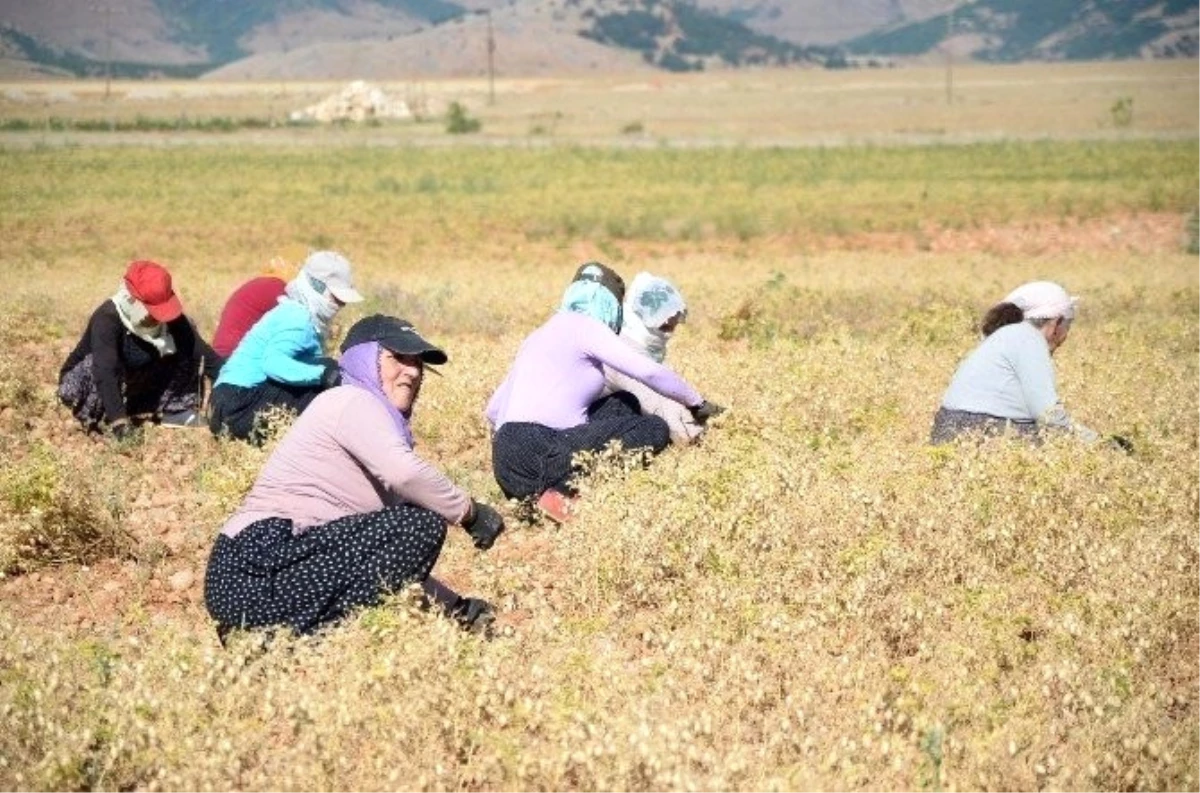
[
  {"x": 375, "y": 38},
  {"x": 1017, "y": 30},
  {"x": 822, "y": 22},
  {"x": 386, "y": 39}
]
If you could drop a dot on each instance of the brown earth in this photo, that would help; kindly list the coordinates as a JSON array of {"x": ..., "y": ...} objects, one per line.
[{"x": 1134, "y": 233}]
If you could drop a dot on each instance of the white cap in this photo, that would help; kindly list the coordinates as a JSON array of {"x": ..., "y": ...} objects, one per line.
[
  {"x": 333, "y": 270},
  {"x": 1043, "y": 300}
]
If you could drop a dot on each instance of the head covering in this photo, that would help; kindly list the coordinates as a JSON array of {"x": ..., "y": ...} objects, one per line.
[
  {"x": 332, "y": 271},
  {"x": 150, "y": 284},
  {"x": 133, "y": 314},
  {"x": 1043, "y": 300},
  {"x": 396, "y": 335},
  {"x": 602, "y": 274},
  {"x": 597, "y": 292},
  {"x": 650, "y": 303},
  {"x": 360, "y": 369},
  {"x": 316, "y": 300}
]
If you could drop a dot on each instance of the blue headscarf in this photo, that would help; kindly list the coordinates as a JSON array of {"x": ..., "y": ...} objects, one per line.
[
  {"x": 592, "y": 297},
  {"x": 360, "y": 368}
]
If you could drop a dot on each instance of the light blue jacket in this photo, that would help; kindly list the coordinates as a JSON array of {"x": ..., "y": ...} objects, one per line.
[{"x": 283, "y": 346}]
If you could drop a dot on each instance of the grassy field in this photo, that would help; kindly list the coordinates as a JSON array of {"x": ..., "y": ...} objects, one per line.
[{"x": 813, "y": 598}]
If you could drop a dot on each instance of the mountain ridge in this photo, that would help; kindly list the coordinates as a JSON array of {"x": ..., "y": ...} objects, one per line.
[{"x": 376, "y": 39}]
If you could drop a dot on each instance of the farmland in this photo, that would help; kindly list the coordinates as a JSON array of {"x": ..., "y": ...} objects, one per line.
[{"x": 812, "y": 598}]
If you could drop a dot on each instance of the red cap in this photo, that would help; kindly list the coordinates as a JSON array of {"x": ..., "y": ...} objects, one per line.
[{"x": 150, "y": 284}]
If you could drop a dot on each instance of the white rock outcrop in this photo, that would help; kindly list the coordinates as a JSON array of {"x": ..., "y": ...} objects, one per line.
[{"x": 358, "y": 101}]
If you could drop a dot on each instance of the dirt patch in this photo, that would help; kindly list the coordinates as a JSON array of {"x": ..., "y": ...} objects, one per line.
[{"x": 1142, "y": 233}]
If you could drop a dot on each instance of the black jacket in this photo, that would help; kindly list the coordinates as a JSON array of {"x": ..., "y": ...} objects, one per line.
[{"x": 118, "y": 355}]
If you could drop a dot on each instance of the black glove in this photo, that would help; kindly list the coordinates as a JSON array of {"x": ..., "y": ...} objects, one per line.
[
  {"x": 474, "y": 615},
  {"x": 704, "y": 411},
  {"x": 484, "y": 525},
  {"x": 332, "y": 376},
  {"x": 1120, "y": 443}
]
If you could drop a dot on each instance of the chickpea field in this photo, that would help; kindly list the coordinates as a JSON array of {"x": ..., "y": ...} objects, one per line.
[{"x": 812, "y": 598}]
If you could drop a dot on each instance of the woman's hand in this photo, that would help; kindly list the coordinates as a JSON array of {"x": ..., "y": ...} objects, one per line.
[
  {"x": 484, "y": 524},
  {"x": 124, "y": 431},
  {"x": 704, "y": 411},
  {"x": 1120, "y": 443}
]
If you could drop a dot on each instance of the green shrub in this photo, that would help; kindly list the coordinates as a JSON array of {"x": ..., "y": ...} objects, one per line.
[
  {"x": 1122, "y": 112},
  {"x": 50, "y": 514},
  {"x": 459, "y": 122}
]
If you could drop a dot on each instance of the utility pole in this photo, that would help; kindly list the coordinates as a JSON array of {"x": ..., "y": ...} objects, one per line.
[
  {"x": 107, "y": 51},
  {"x": 949, "y": 57},
  {"x": 107, "y": 10},
  {"x": 491, "y": 53}
]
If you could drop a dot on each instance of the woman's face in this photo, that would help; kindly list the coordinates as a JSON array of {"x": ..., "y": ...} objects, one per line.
[
  {"x": 1060, "y": 328},
  {"x": 400, "y": 377},
  {"x": 671, "y": 324}
]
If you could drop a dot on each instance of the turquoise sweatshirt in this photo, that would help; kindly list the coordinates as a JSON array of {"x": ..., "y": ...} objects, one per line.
[{"x": 283, "y": 346}]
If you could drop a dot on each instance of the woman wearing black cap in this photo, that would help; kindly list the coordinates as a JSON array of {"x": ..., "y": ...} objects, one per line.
[
  {"x": 549, "y": 406},
  {"x": 344, "y": 510}
]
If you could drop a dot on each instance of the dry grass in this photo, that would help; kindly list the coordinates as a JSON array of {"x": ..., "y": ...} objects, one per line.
[
  {"x": 767, "y": 107},
  {"x": 812, "y": 599}
]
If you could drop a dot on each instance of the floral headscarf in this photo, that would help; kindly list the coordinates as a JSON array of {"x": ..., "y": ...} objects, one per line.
[{"x": 650, "y": 303}]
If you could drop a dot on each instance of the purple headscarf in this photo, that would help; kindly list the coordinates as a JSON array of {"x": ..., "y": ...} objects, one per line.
[{"x": 360, "y": 368}]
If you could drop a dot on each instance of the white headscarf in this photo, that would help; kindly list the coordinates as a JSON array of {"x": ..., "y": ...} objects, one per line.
[
  {"x": 316, "y": 298},
  {"x": 1043, "y": 300},
  {"x": 133, "y": 316},
  {"x": 649, "y": 303}
]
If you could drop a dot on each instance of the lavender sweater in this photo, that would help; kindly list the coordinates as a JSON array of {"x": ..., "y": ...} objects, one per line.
[
  {"x": 344, "y": 456},
  {"x": 559, "y": 372}
]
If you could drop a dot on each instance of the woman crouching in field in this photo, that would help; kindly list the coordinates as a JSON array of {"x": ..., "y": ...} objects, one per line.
[
  {"x": 344, "y": 511},
  {"x": 550, "y": 407},
  {"x": 280, "y": 362},
  {"x": 139, "y": 360},
  {"x": 653, "y": 309},
  {"x": 1007, "y": 384}
]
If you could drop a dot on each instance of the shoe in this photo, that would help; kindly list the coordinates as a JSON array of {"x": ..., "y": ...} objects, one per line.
[
  {"x": 556, "y": 506},
  {"x": 184, "y": 418}
]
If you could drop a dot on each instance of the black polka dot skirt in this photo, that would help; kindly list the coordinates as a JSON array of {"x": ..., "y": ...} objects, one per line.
[{"x": 268, "y": 576}]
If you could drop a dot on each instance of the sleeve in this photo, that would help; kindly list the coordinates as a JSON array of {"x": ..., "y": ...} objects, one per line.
[
  {"x": 281, "y": 358},
  {"x": 105, "y": 331},
  {"x": 197, "y": 348},
  {"x": 683, "y": 427},
  {"x": 608, "y": 349},
  {"x": 1035, "y": 372},
  {"x": 1057, "y": 416},
  {"x": 366, "y": 432}
]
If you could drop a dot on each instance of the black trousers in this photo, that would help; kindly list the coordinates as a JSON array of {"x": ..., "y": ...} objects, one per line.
[
  {"x": 268, "y": 576},
  {"x": 528, "y": 459},
  {"x": 236, "y": 410}
]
